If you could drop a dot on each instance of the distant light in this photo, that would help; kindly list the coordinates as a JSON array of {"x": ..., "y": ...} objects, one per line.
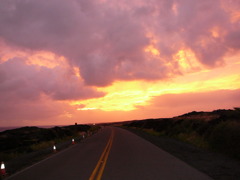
[
  {"x": 54, "y": 147},
  {"x": 85, "y": 109},
  {"x": 2, "y": 166}
]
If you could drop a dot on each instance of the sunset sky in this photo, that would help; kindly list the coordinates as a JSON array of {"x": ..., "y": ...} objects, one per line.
[{"x": 90, "y": 61}]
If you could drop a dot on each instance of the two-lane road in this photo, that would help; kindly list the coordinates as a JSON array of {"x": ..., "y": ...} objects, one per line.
[{"x": 125, "y": 156}]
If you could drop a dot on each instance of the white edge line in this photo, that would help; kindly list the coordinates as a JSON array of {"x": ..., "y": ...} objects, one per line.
[{"x": 52, "y": 156}]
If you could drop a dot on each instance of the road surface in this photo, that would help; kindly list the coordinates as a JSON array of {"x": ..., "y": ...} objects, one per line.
[{"x": 111, "y": 154}]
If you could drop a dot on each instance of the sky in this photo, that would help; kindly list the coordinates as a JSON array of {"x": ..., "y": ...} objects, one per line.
[{"x": 95, "y": 61}]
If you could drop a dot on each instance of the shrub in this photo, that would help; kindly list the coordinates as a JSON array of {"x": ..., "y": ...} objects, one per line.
[
  {"x": 225, "y": 138},
  {"x": 193, "y": 138}
]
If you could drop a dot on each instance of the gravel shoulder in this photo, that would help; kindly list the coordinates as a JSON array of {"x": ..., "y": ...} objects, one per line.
[{"x": 215, "y": 165}]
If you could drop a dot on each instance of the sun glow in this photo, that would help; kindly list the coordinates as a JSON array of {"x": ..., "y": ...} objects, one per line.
[
  {"x": 85, "y": 109},
  {"x": 132, "y": 95},
  {"x": 123, "y": 96},
  {"x": 151, "y": 49},
  {"x": 128, "y": 96},
  {"x": 187, "y": 61}
]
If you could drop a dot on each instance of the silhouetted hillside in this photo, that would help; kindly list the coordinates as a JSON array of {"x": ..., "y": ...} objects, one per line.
[
  {"x": 28, "y": 139},
  {"x": 218, "y": 130}
]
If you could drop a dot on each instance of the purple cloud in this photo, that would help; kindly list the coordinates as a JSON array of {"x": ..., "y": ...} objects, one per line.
[
  {"x": 106, "y": 40},
  {"x": 31, "y": 81},
  {"x": 32, "y": 92}
]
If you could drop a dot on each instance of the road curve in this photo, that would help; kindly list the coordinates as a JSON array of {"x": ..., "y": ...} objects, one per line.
[{"x": 129, "y": 158}]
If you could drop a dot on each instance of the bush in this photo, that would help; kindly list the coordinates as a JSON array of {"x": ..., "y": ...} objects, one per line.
[
  {"x": 225, "y": 138},
  {"x": 193, "y": 138},
  {"x": 218, "y": 130}
]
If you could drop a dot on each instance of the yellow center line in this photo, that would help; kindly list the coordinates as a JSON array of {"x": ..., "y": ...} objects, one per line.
[{"x": 98, "y": 171}]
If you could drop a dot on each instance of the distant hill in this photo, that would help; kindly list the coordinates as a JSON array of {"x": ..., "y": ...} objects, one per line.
[
  {"x": 218, "y": 130},
  {"x": 230, "y": 114}
]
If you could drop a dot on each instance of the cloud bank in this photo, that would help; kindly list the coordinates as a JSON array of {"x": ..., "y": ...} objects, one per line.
[
  {"x": 102, "y": 42},
  {"x": 106, "y": 39}
]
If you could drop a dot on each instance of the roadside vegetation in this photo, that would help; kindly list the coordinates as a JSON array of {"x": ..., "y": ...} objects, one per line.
[
  {"x": 24, "y": 146},
  {"x": 218, "y": 131},
  {"x": 16, "y": 142}
]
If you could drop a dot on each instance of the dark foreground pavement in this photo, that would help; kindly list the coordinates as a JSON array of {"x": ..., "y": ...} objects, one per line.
[{"x": 130, "y": 158}]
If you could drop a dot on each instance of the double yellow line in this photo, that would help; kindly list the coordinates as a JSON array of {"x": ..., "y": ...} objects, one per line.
[{"x": 98, "y": 171}]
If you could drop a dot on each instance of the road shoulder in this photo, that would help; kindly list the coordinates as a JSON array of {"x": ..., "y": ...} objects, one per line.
[{"x": 215, "y": 165}]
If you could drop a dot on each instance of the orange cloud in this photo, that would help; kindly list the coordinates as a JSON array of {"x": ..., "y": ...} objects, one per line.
[
  {"x": 151, "y": 49},
  {"x": 41, "y": 58},
  {"x": 232, "y": 7},
  {"x": 128, "y": 96},
  {"x": 187, "y": 61},
  {"x": 47, "y": 59}
]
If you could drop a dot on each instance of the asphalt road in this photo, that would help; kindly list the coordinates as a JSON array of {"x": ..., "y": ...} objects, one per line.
[{"x": 128, "y": 157}]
